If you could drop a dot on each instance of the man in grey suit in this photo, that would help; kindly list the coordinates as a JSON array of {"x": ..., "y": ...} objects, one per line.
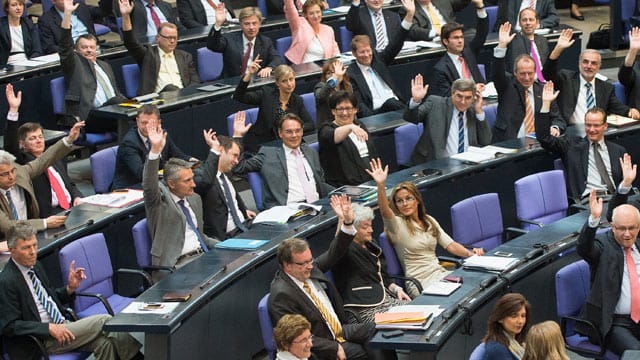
[
  {"x": 290, "y": 171},
  {"x": 429, "y": 18},
  {"x": 174, "y": 211},
  {"x": 451, "y": 124}
]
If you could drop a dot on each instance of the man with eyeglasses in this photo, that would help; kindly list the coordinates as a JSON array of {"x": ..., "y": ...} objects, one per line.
[
  {"x": 162, "y": 68},
  {"x": 613, "y": 305},
  {"x": 451, "y": 124},
  {"x": 300, "y": 287},
  {"x": 591, "y": 162},
  {"x": 582, "y": 90},
  {"x": 290, "y": 170}
]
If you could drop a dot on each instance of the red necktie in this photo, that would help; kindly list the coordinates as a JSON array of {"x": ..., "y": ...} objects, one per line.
[
  {"x": 465, "y": 69},
  {"x": 58, "y": 190},
  {"x": 213, "y": 5},
  {"x": 245, "y": 59},
  {"x": 634, "y": 284},
  {"x": 154, "y": 15}
]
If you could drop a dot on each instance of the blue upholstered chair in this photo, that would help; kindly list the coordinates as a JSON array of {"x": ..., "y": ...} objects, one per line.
[
  {"x": 255, "y": 183},
  {"x": 405, "y": 137},
  {"x": 309, "y": 100},
  {"x": 394, "y": 268},
  {"x": 131, "y": 76},
  {"x": 541, "y": 199},
  {"x": 490, "y": 113},
  {"x": 345, "y": 39},
  {"x": 209, "y": 64},
  {"x": 620, "y": 92},
  {"x": 492, "y": 14},
  {"x": 103, "y": 168},
  {"x": 142, "y": 245},
  {"x": 282, "y": 45},
  {"x": 251, "y": 115},
  {"x": 266, "y": 327}
]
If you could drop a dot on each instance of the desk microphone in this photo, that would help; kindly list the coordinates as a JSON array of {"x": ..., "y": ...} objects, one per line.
[
  {"x": 534, "y": 254},
  {"x": 67, "y": 230},
  {"x": 488, "y": 281}
]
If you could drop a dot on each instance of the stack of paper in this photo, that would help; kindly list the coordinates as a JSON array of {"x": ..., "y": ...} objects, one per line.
[
  {"x": 490, "y": 263},
  {"x": 407, "y": 317},
  {"x": 620, "y": 121},
  {"x": 479, "y": 154},
  {"x": 441, "y": 288},
  {"x": 358, "y": 193},
  {"x": 115, "y": 199},
  {"x": 282, "y": 214}
]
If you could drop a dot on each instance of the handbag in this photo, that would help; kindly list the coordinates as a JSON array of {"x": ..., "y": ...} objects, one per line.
[{"x": 599, "y": 39}]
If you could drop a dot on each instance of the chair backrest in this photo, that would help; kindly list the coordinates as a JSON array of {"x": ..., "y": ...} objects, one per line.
[
  {"x": 131, "y": 76},
  {"x": 309, "y": 100},
  {"x": 282, "y": 45},
  {"x": 627, "y": 10},
  {"x": 262, "y": 5},
  {"x": 209, "y": 64},
  {"x": 345, "y": 39},
  {"x": 478, "y": 352},
  {"x": 477, "y": 221},
  {"x": 58, "y": 91},
  {"x": 142, "y": 243},
  {"x": 620, "y": 92},
  {"x": 315, "y": 146},
  {"x": 572, "y": 288},
  {"x": 541, "y": 197},
  {"x": 255, "y": 183},
  {"x": 103, "y": 168},
  {"x": 333, "y": 3},
  {"x": 46, "y": 5},
  {"x": 405, "y": 137},
  {"x": 492, "y": 14},
  {"x": 251, "y": 115},
  {"x": 391, "y": 258},
  {"x": 490, "y": 113},
  {"x": 91, "y": 253},
  {"x": 266, "y": 327},
  {"x": 482, "y": 71}
]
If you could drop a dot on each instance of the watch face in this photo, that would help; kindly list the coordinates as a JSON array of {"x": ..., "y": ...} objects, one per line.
[{"x": 332, "y": 82}]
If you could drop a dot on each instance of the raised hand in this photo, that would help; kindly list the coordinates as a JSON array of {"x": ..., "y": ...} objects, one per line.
[
  {"x": 548, "y": 93},
  {"x": 339, "y": 70},
  {"x": 75, "y": 277},
  {"x": 14, "y": 100},
  {"x": 377, "y": 172},
  {"x": 505, "y": 36},
  {"x": 418, "y": 90},
  {"x": 70, "y": 6},
  {"x": 157, "y": 138},
  {"x": 566, "y": 39},
  {"x": 211, "y": 139},
  {"x": 595, "y": 205},
  {"x": 126, "y": 7},
  {"x": 478, "y": 100},
  {"x": 255, "y": 65},
  {"x": 221, "y": 13},
  {"x": 410, "y": 7},
  {"x": 239, "y": 126},
  {"x": 628, "y": 170},
  {"x": 74, "y": 133},
  {"x": 634, "y": 39}
]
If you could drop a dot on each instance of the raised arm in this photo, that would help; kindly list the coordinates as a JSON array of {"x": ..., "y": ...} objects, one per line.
[{"x": 379, "y": 175}]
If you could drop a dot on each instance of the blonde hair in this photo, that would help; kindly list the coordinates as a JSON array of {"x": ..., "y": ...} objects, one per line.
[
  {"x": 288, "y": 328},
  {"x": 545, "y": 342}
]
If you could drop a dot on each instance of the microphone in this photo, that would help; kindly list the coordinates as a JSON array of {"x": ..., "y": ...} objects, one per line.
[
  {"x": 488, "y": 281},
  {"x": 68, "y": 230},
  {"x": 534, "y": 254}
]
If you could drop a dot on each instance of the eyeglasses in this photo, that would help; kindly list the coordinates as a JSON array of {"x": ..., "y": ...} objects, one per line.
[
  {"x": 7, "y": 173},
  {"x": 170, "y": 38},
  {"x": 344, "y": 109},
  {"x": 304, "y": 263},
  {"x": 407, "y": 200},
  {"x": 308, "y": 339},
  {"x": 292, "y": 131},
  {"x": 624, "y": 229}
]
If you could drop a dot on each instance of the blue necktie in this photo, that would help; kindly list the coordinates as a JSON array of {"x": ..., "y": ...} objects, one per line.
[
  {"x": 230, "y": 205},
  {"x": 460, "y": 132},
  {"x": 192, "y": 225},
  {"x": 591, "y": 102},
  {"x": 50, "y": 307},
  {"x": 14, "y": 211}
]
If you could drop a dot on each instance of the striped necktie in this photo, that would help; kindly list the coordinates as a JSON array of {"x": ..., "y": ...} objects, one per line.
[
  {"x": 14, "y": 211},
  {"x": 50, "y": 307},
  {"x": 333, "y": 323},
  {"x": 529, "y": 126},
  {"x": 381, "y": 39},
  {"x": 460, "y": 132},
  {"x": 591, "y": 102}
]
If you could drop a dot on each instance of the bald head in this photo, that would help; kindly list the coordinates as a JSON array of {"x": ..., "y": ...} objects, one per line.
[{"x": 625, "y": 223}]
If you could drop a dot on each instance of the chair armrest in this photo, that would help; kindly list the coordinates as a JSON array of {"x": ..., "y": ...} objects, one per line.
[
  {"x": 355, "y": 315},
  {"x": 576, "y": 208},
  {"x": 152, "y": 268},
  {"x": 533, "y": 222},
  {"x": 412, "y": 280},
  {"x": 40, "y": 346},
  {"x": 70, "y": 313},
  {"x": 102, "y": 299},
  {"x": 598, "y": 355},
  {"x": 146, "y": 278},
  {"x": 513, "y": 230},
  {"x": 456, "y": 261}
]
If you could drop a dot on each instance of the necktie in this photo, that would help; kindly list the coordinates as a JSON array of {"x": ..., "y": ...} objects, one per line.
[
  {"x": 529, "y": 126},
  {"x": 193, "y": 226},
  {"x": 299, "y": 4},
  {"x": 602, "y": 169},
  {"x": 212, "y": 4},
  {"x": 536, "y": 59},
  {"x": 460, "y": 132},
  {"x": 435, "y": 20},
  {"x": 147, "y": 145},
  {"x": 230, "y": 204},
  {"x": 245, "y": 59},
  {"x": 532, "y": 4},
  {"x": 14, "y": 211},
  {"x": 375, "y": 81},
  {"x": 154, "y": 15},
  {"x": 591, "y": 102},
  {"x": 465, "y": 68},
  {"x": 381, "y": 40},
  {"x": 50, "y": 307},
  {"x": 309, "y": 192},
  {"x": 333, "y": 323},
  {"x": 104, "y": 83},
  {"x": 58, "y": 190},
  {"x": 634, "y": 284}
]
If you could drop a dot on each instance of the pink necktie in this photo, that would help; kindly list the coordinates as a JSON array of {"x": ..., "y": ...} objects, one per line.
[
  {"x": 634, "y": 284},
  {"x": 532, "y": 4},
  {"x": 465, "y": 69},
  {"x": 536, "y": 59},
  {"x": 309, "y": 192},
  {"x": 154, "y": 16}
]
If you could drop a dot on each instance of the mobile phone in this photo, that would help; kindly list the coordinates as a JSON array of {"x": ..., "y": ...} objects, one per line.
[
  {"x": 502, "y": 254},
  {"x": 392, "y": 334}
]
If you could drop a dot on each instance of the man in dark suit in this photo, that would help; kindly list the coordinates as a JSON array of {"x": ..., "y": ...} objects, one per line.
[
  {"x": 300, "y": 287},
  {"x": 371, "y": 80},
  {"x": 174, "y": 211},
  {"x": 134, "y": 149},
  {"x": 90, "y": 82},
  {"x": 613, "y": 305},
  {"x": 194, "y": 13},
  {"x": 145, "y": 24},
  {"x": 591, "y": 162},
  {"x": 460, "y": 60},
  {"x": 31, "y": 306},
  {"x": 235, "y": 46},
  {"x": 443, "y": 119},
  {"x": 509, "y": 10},
  {"x": 430, "y": 17},
  {"x": 380, "y": 25},
  {"x": 518, "y": 94},
  {"x": 528, "y": 42},
  {"x": 162, "y": 68},
  {"x": 54, "y": 190},
  {"x": 629, "y": 73},
  {"x": 283, "y": 185},
  {"x": 580, "y": 91},
  {"x": 49, "y": 25}
]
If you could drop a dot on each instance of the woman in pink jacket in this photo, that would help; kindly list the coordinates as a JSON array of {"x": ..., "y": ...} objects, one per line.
[{"x": 310, "y": 39}]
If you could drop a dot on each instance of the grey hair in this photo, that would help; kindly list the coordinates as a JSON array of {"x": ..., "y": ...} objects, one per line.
[
  {"x": 173, "y": 166},
  {"x": 463, "y": 85},
  {"x": 361, "y": 213},
  {"x": 6, "y": 158},
  {"x": 21, "y": 230}
]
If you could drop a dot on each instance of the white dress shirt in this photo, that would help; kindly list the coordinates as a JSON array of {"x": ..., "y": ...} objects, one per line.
[{"x": 296, "y": 191}]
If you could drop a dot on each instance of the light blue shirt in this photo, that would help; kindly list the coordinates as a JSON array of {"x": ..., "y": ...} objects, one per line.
[
  {"x": 151, "y": 27},
  {"x": 77, "y": 27}
]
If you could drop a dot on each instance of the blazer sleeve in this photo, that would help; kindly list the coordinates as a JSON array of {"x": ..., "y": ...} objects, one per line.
[
  {"x": 249, "y": 97},
  {"x": 291, "y": 14},
  {"x": 131, "y": 159},
  {"x": 626, "y": 77},
  {"x": 419, "y": 113},
  {"x": 215, "y": 41},
  {"x": 552, "y": 20},
  {"x": 11, "y": 140},
  {"x": 499, "y": 75},
  {"x": 272, "y": 54},
  {"x": 46, "y": 26},
  {"x": 67, "y": 55},
  {"x": 12, "y": 303},
  {"x": 193, "y": 73},
  {"x": 353, "y": 20},
  {"x": 588, "y": 248},
  {"x": 150, "y": 186},
  {"x": 137, "y": 51},
  {"x": 51, "y": 155},
  {"x": 204, "y": 176},
  {"x": 557, "y": 145},
  {"x": 251, "y": 164},
  {"x": 336, "y": 251},
  {"x": 615, "y": 106},
  {"x": 482, "y": 30}
]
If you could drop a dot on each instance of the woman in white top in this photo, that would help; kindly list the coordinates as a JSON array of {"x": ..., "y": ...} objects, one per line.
[
  {"x": 293, "y": 338},
  {"x": 311, "y": 40},
  {"x": 19, "y": 39}
]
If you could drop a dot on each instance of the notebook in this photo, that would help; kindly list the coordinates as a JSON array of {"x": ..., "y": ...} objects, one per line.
[{"x": 240, "y": 244}]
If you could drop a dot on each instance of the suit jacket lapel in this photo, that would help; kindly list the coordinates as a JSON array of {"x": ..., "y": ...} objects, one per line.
[{"x": 28, "y": 297}]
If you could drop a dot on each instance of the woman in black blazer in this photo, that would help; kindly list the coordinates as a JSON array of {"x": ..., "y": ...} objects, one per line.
[
  {"x": 19, "y": 39},
  {"x": 361, "y": 276},
  {"x": 274, "y": 102}
]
